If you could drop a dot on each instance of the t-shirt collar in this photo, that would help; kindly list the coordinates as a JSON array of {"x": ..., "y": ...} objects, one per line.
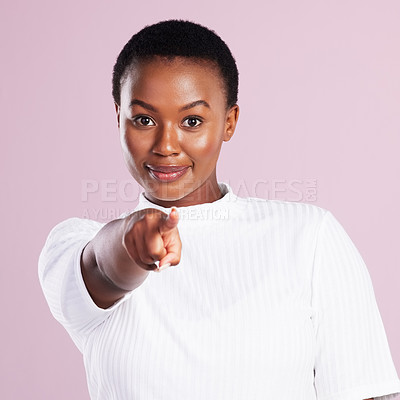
[{"x": 227, "y": 196}]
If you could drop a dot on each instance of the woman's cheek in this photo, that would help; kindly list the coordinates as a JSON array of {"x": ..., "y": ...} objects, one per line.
[
  {"x": 206, "y": 146},
  {"x": 135, "y": 145}
]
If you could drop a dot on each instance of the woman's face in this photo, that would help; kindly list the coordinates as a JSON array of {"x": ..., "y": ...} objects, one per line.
[{"x": 173, "y": 119}]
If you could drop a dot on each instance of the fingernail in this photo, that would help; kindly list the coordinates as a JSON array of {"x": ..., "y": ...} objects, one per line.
[
  {"x": 165, "y": 266},
  {"x": 157, "y": 268}
]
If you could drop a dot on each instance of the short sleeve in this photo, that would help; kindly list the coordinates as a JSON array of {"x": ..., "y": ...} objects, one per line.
[
  {"x": 352, "y": 359},
  {"x": 62, "y": 282}
]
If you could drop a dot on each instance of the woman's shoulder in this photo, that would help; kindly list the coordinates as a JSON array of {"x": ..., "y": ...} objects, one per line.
[
  {"x": 73, "y": 228},
  {"x": 77, "y": 223},
  {"x": 283, "y": 208},
  {"x": 246, "y": 202}
]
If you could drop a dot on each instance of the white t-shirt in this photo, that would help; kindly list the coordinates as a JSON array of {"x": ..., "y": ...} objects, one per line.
[{"x": 271, "y": 300}]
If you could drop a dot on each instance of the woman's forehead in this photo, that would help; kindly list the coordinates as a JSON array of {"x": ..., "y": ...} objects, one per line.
[
  {"x": 175, "y": 64},
  {"x": 180, "y": 78}
]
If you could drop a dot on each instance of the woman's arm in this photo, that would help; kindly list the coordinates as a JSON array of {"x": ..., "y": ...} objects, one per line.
[{"x": 118, "y": 259}]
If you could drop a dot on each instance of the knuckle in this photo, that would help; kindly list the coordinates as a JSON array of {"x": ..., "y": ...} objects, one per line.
[
  {"x": 156, "y": 255},
  {"x": 152, "y": 215},
  {"x": 142, "y": 217},
  {"x": 175, "y": 261},
  {"x": 154, "y": 244},
  {"x": 147, "y": 259},
  {"x": 149, "y": 267}
]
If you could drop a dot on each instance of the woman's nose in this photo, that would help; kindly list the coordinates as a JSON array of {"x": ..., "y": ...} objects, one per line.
[{"x": 167, "y": 141}]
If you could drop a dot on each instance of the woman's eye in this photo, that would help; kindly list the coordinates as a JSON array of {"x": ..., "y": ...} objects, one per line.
[
  {"x": 143, "y": 121},
  {"x": 192, "y": 122}
]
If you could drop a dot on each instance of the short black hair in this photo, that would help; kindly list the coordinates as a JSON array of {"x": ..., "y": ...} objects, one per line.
[{"x": 178, "y": 38}]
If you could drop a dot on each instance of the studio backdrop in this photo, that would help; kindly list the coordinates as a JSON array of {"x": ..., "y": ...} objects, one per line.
[{"x": 319, "y": 98}]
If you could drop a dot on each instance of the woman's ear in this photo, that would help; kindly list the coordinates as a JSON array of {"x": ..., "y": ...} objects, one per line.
[
  {"x": 117, "y": 110},
  {"x": 231, "y": 121}
]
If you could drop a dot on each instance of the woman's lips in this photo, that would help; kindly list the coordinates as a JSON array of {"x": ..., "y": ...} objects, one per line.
[{"x": 167, "y": 173}]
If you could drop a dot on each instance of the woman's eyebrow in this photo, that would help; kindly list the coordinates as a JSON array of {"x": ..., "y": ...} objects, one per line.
[
  {"x": 142, "y": 104},
  {"x": 194, "y": 104},
  {"x": 186, "y": 107}
]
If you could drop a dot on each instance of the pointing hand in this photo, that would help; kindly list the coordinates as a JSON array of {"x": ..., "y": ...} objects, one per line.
[{"x": 152, "y": 236}]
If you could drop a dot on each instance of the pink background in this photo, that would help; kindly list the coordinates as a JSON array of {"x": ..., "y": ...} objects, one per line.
[{"x": 319, "y": 97}]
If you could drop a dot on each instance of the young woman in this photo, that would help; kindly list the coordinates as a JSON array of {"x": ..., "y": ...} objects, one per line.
[{"x": 198, "y": 293}]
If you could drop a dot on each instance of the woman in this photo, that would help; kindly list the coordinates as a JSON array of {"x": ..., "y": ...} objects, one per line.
[{"x": 255, "y": 298}]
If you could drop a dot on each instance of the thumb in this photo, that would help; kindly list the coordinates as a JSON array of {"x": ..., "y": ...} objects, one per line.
[{"x": 170, "y": 222}]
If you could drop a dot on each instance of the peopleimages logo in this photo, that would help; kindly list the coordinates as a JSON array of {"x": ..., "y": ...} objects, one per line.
[
  {"x": 127, "y": 192},
  {"x": 109, "y": 190},
  {"x": 300, "y": 190}
]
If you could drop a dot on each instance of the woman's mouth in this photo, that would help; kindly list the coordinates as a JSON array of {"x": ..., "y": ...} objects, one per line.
[{"x": 167, "y": 173}]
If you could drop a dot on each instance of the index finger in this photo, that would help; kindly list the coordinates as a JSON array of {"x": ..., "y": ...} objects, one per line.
[{"x": 170, "y": 222}]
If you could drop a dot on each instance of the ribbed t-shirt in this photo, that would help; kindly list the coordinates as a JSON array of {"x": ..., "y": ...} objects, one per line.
[{"x": 271, "y": 300}]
